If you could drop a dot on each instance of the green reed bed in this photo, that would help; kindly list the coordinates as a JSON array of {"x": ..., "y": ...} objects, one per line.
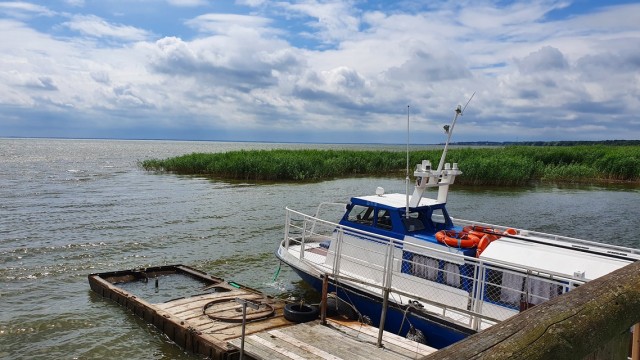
[{"x": 512, "y": 165}]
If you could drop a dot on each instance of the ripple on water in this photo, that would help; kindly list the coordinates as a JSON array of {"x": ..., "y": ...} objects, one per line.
[{"x": 57, "y": 226}]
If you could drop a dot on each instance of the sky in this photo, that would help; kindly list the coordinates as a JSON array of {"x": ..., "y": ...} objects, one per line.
[{"x": 337, "y": 71}]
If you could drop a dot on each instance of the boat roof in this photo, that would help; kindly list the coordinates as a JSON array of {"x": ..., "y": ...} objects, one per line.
[
  {"x": 552, "y": 258},
  {"x": 396, "y": 200}
]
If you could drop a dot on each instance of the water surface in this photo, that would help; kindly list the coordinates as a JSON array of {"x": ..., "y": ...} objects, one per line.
[{"x": 69, "y": 208}]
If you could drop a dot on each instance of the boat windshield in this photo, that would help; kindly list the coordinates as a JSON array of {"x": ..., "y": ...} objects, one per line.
[
  {"x": 413, "y": 223},
  {"x": 427, "y": 219},
  {"x": 361, "y": 215},
  {"x": 439, "y": 219}
]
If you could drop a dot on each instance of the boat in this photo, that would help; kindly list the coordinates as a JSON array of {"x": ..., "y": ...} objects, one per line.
[{"x": 404, "y": 264}]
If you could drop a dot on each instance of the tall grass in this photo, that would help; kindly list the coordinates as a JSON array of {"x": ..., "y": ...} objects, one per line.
[{"x": 513, "y": 165}]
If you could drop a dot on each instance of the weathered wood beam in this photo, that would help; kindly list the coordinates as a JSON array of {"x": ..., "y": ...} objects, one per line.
[{"x": 571, "y": 326}]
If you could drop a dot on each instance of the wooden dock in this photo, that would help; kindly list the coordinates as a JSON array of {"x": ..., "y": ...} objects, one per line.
[
  {"x": 339, "y": 339},
  {"x": 201, "y": 323},
  {"x": 207, "y": 319}
]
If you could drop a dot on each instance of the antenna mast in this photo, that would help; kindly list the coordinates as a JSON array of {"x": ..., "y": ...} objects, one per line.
[
  {"x": 406, "y": 214},
  {"x": 440, "y": 178},
  {"x": 459, "y": 111}
]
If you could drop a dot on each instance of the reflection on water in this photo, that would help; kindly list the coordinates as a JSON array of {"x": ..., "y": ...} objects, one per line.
[{"x": 73, "y": 207}]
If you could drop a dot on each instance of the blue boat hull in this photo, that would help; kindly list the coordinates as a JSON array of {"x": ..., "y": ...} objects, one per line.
[{"x": 438, "y": 332}]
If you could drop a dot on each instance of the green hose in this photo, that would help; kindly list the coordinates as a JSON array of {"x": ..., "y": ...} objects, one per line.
[{"x": 275, "y": 276}]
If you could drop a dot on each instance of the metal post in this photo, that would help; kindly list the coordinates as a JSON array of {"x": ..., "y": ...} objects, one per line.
[
  {"x": 383, "y": 316},
  {"x": 244, "y": 319},
  {"x": 323, "y": 301}
]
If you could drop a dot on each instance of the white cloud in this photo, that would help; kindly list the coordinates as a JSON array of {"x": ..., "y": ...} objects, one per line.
[
  {"x": 95, "y": 26},
  {"x": 333, "y": 20},
  {"x": 22, "y": 10},
  {"x": 187, "y": 3},
  {"x": 546, "y": 59},
  {"x": 532, "y": 75},
  {"x": 227, "y": 23}
]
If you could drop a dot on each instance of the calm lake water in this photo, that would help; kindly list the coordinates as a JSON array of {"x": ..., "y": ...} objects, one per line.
[{"x": 69, "y": 208}]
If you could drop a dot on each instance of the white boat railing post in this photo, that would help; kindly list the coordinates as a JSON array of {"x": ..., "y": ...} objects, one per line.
[
  {"x": 527, "y": 286},
  {"x": 286, "y": 228},
  {"x": 385, "y": 270},
  {"x": 302, "y": 240},
  {"x": 473, "y": 295},
  {"x": 389, "y": 264},
  {"x": 482, "y": 285},
  {"x": 386, "y": 288},
  {"x": 338, "y": 250}
]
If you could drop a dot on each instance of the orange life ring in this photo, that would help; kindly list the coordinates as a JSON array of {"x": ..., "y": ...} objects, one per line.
[
  {"x": 484, "y": 242},
  {"x": 481, "y": 231},
  {"x": 457, "y": 239},
  {"x": 511, "y": 231},
  {"x": 470, "y": 228}
]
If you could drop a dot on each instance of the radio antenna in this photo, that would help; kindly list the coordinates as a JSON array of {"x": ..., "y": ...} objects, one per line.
[
  {"x": 406, "y": 213},
  {"x": 449, "y": 130}
]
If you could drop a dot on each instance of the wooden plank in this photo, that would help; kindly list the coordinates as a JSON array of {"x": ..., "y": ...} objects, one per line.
[
  {"x": 302, "y": 345},
  {"x": 256, "y": 351},
  {"x": 259, "y": 326},
  {"x": 314, "y": 341},
  {"x": 281, "y": 352},
  {"x": 202, "y": 300},
  {"x": 339, "y": 343},
  {"x": 334, "y": 342},
  {"x": 388, "y": 338}
]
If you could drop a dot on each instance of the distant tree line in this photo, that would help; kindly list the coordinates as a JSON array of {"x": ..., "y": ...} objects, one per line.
[{"x": 551, "y": 143}]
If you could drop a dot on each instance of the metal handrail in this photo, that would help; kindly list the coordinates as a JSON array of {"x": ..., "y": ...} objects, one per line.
[
  {"x": 554, "y": 237},
  {"x": 430, "y": 251},
  {"x": 480, "y": 266}
]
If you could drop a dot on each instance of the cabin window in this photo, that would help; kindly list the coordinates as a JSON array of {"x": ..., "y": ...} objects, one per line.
[
  {"x": 438, "y": 219},
  {"x": 361, "y": 215},
  {"x": 384, "y": 220},
  {"x": 413, "y": 222}
]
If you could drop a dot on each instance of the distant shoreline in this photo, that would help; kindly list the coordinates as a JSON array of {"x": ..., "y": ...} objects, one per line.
[{"x": 459, "y": 143}]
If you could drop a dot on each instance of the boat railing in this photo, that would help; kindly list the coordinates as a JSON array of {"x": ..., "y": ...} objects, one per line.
[
  {"x": 580, "y": 244},
  {"x": 322, "y": 207},
  {"x": 473, "y": 292}
]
